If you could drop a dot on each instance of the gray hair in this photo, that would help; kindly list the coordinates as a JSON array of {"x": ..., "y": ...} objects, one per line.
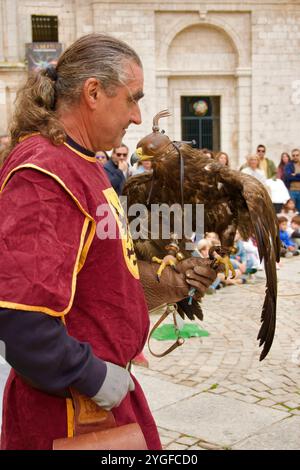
[{"x": 94, "y": 55}]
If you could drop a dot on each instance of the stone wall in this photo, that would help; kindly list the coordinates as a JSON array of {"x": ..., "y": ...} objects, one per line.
[{"x": 246, "y": 52}]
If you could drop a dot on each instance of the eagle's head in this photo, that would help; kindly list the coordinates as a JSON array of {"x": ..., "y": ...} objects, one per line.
[{"x": 156, "y": 144}]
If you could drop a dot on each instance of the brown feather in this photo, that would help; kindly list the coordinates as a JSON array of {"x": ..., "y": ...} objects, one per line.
[{"x": 232, "y": 201}]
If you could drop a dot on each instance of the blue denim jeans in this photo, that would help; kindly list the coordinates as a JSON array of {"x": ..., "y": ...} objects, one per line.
[{"x": 296, "y": 196}]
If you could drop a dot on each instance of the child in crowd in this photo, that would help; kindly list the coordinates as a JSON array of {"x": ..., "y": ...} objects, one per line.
[
  {"x": 289, "y": 211},
  {"x": 203, "y": 248},
  {"x": 295, "y": 235},
  {"x": 289, "y": 247},
  {"x": 236, "y": 260},
  {"x": 252, "y": 256}
]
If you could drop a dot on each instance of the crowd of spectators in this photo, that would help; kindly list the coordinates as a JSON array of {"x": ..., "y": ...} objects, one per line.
[{"x": 283, "y": 185}]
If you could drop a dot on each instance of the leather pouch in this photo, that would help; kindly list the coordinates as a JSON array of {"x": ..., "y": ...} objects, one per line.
[{"x": 96, "y": 429}]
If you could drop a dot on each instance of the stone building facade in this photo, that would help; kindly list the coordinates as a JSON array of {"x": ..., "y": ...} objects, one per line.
[{"x": 242, "y": 58}]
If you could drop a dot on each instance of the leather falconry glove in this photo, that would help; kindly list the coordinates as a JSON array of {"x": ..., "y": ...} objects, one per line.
[
  {"x": 175, "y": 285},
  {"x": 116, "y": 385}
]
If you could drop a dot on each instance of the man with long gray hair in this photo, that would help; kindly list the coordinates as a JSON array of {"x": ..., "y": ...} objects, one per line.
[{"x": 73, "y": 312}]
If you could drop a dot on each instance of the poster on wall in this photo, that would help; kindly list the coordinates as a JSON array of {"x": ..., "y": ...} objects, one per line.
[{"x": 41, "y": 54}]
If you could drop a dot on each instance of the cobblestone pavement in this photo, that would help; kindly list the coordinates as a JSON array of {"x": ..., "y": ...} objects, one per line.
[
  {"x": 226, "y": 365},
  {"x": 212, "y": 392}
]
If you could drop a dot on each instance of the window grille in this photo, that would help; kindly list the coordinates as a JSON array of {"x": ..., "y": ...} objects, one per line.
[{"x": 44, "y": 28}]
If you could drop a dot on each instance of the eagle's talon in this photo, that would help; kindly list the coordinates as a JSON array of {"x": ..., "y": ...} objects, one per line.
[
  {"x": 168, "y": 260},
  {"x": 225, "y": 260}
]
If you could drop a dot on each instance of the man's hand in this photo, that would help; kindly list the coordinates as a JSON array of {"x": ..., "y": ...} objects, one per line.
[
  {"x": 123, "y": 166},
  {"x": 175, "y": 285},
  {"x": 198, "y": 273},
  {"x": 115, "y": 387}
]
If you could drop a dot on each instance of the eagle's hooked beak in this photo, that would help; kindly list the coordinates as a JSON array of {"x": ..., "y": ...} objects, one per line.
[{"x": 142, "y": 156}]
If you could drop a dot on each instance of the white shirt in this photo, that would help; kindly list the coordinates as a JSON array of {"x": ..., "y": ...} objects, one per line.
[
  {"x": 278, "y": 191},
  {"x": 258, "y": 174}
]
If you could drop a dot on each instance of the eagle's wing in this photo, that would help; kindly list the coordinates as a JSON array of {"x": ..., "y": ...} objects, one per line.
[
  {"x": 265, "y": 227},
  {"x": 137, "y": 190}
]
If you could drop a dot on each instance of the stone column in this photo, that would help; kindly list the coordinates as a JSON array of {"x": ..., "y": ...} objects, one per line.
[
  {"x": 10, "y": 30},
  {"x": 3, "y": 108},
  {"x": 162, "y": 101},
  {"x": 244, "y": 138},
  {"x": 83, "y": 17},
  {"x": 1, "y": 30}
]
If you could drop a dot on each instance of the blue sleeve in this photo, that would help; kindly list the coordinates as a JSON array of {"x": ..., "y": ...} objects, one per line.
[
  {"x": 39, "y": 348},
  {"x": 284, "y": 237},
  {"x": 115, "y": 176},
  {"x": 289, "y": 169}
]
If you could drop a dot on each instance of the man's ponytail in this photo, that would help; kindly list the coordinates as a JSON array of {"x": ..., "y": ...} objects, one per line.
[{"x": 35, "y": 111}]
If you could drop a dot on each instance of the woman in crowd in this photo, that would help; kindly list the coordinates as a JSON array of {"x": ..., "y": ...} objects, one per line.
[
  {"x": 284, "y": 159},
  {"x": 222, "y": 158}
]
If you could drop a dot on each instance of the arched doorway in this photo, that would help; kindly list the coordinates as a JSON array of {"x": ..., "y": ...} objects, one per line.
[{"x": 204, "y": 60}]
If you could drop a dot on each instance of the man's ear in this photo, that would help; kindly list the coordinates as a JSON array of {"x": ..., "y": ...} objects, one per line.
[{"x": 91, "y": 92}]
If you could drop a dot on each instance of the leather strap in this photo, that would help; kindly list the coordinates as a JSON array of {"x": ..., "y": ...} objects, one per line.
[{"x": 171, "y": 308}]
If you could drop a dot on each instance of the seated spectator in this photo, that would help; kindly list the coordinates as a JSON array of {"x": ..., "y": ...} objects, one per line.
[
  {"x": 238, "y": 260},
  {"x": 289, "y": 211},
  {"x": 295, "y": 235},
  {"x": 213, "y": 237},
  {"x": 222, "y": 158},
  {"x": 239, "y": 257},
  {"x": 203, "y": 249},
  {"x": 252, "y": 169},
  {"x": 252, "y": 256},
  {"x": 289, "y": 247},
  {"x": 141, "y": 167}
]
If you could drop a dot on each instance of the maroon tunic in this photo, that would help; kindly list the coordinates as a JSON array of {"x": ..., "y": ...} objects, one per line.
[{"x": 55, "y": 260}]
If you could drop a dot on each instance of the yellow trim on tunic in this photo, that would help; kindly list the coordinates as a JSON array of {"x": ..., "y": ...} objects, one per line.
[
  {"x": 26, "y": 136},
  {"x": 70, "y": 417},
  {"x": 81, "y": 254},
  {"x": 86, "y": 247},
  {"x": 126, "y": 239},
  {"x": 82, "y": 155},
  {"x": 80, "y": 260},
  {"x": 86, "y": 157}
]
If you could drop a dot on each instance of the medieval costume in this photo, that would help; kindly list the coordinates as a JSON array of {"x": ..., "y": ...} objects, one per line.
[{"x": 67, "y": 268}]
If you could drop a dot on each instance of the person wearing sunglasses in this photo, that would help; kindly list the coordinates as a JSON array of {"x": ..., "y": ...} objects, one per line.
[
  {"x": 117, "y": 168},
  {"x": 265, "y": 164}
]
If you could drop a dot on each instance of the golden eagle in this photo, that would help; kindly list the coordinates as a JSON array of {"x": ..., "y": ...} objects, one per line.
[{"x": 232, "y": 201}]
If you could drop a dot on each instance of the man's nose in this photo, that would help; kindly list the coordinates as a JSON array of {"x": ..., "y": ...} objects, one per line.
[{"x": 136, "y": 117}]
